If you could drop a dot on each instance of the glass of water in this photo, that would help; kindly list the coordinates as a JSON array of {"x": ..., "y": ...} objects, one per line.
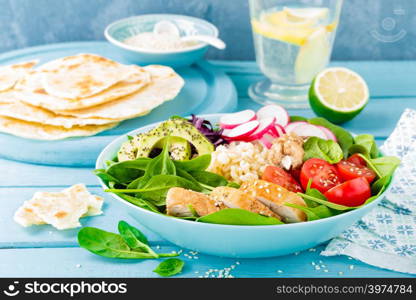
[{"x": 293, "y": 42}]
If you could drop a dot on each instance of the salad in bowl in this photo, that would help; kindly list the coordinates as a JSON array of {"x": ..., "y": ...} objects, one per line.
[{"x": 246, "y": 184}]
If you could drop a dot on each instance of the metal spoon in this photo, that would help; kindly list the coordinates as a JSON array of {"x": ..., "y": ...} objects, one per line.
[{"x": 168, "y": 27}]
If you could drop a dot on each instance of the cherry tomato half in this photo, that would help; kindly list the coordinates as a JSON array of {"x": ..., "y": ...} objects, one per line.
[
  {"x": 357, "y": 159},
  {"x": 349, "y": 170},
  {"x": 350, "y": 193},
  {"x": 324, "y": 175},
  {"x": 280, "y": 177}
]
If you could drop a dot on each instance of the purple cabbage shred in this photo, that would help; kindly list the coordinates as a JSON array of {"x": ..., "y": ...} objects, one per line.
[{"x": 214, "y": 135}]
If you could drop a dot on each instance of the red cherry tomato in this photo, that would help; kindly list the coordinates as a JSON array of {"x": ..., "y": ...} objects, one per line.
[
  {"x": 324, "y": 175},
  {"x": 295, "y": 174},
  {"x": 348, "y": 170},
  {"x": 357, "y": 159},
  {"x": 350, "y": 193},
  {"x": 281, "y": 177}
]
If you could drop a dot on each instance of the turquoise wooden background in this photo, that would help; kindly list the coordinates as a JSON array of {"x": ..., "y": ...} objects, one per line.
[{"x": 370, "y": 29}]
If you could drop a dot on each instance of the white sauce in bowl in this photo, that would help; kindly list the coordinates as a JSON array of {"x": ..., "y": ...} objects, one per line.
[{"x": 158, "y": 41}]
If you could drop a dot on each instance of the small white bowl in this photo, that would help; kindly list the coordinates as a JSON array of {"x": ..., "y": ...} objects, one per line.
[{"x": 117, "y": 32}]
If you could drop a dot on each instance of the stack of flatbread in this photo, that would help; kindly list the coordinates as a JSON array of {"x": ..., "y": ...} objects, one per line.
[{"x": 79, "y": 95}]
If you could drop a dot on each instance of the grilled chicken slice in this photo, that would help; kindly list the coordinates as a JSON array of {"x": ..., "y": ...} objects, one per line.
[
  {"x": 183, "y": 203},
  {"x": 274, "y": 197},
  {"x": 234, "y": 198}
]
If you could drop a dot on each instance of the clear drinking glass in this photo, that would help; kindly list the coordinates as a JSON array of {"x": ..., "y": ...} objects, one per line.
[{"x": 293, "y": 41}]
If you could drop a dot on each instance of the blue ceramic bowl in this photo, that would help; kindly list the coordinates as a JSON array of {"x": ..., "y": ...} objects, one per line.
[
  {"x": 120, "y": 30},
  {"x": 232, "y": 240}
]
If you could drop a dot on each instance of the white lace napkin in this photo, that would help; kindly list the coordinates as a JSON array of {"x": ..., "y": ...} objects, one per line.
[{"x": 386, "y": 237}]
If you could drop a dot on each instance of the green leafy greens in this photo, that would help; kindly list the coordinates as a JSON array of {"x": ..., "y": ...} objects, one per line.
[
  {"x": 236, "y": 216},
  {"x": 324, "y": 149},
  {"x": 344, "y": 138},
  {"x": 366, "y": 145},
  {"x": 129, "y": 244},
  {"x": 169, "y": 267},
  {"x": 145, "y": 181}
]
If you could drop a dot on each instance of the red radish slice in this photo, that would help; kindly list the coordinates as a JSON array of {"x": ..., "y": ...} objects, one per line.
[
  {"x": 266, "y": 125},
  {"x": 328, "y": 133},
  {"x": 225, "y": 133},
  {"x": 230, "y": 121},
  {"x": 275, "y": 111},
  {"x": 289, "y": 127},
  {"x": 267, "y": 140},
  {"x": 279, "y": 130},
  {"x": 306, "y": 130},
  {"x": 242, "y": 131}
]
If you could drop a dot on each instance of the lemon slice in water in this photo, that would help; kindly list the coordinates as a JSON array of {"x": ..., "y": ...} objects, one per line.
[
  {"x": 313, "y": 56},
  {"x": 280, "y": 26},
  {"x": 306, "y": 14},
  {"x": 338, "y": 94}
]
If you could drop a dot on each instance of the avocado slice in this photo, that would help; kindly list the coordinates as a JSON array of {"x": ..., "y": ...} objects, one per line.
[
  {"x": 179, "y": 148},
  {"x": 142, "y": 144}
]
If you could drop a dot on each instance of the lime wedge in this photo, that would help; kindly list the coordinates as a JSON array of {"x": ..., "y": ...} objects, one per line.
[
  {"x": 338, "y": 94},
  {"x": 313, "y": 56}
]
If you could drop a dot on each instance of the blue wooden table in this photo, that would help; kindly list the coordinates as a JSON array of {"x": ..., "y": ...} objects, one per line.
[{"x": 50, "y": 253}]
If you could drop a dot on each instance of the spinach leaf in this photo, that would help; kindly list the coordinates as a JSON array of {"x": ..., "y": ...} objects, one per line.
[
  {"x": 208, "y": 179},
  {"x": 160, "y": 165},
  {"x": 344, "y": 138},
  {"x": 386, "y": 165},
  {"x": 200, "y": 163},
  {"x": 324, "y": 149},
  {"x": 129, "y": 170},
  {"x": 313, "y": 193},
  {"x": 124, "y": 227},
  {"x": 107, "y": 178},
  {"x": 325, "y": 202},
  {"x": 358, "y": 149},
  {"x": 136, "y": 182},
  {"x": 134, "y": 238},
  {"x": 314, "y": 213},
  {"x": 380, "y": 184},
  {"x": 340, "y": 207},
  {"x": 298, "y": 119},
  {"x": 236, "y": 216},
  {"x": 366, "y": 144},
  {"x": 169, "y": 267},
  {"x": 138, "y": 202},
  {"x": 382, "y": 166},
  {"x": 157, "y": 187},
  {"x": 107, "y": 244},
  {"x": 184, "y": 174},
  {"x": 113, "y": 245}
]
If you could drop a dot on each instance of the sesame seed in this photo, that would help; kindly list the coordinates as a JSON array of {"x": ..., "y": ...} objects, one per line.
[
  {"x": 78, "y": 266},
  {"x": 351, "y": 267}
]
